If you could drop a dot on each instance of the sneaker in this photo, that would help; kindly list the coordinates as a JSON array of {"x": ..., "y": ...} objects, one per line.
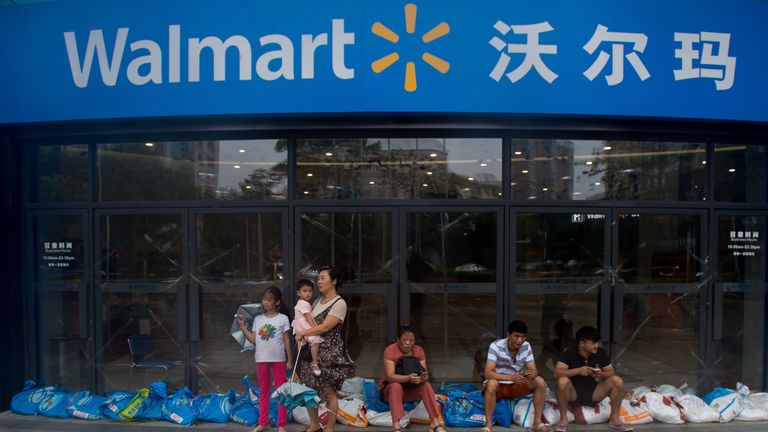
[{"x": 316, "y": 369}]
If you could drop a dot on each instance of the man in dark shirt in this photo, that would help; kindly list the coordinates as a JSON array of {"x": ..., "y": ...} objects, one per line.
[{"x": 585, "y": 376}]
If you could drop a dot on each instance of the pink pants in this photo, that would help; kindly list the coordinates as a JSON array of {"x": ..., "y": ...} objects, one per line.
[
  {"x": 265, "y": 384},
  {"x": 395, "y": 394}
]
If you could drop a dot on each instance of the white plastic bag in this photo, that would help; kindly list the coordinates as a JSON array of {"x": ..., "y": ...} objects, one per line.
[
  {"x": 522, "y": 411},
  {"x": 635, "y": 412},
  {"x": 752, "y": 408},
  {"x": 696, "y": 410},
  {"x": 598, "y": 413},
  {"x": 640, "y": 391},
  {"x": 420, "y": 415},
  {"x": 671, "y": 391},
  {"x": 663, "y": 409},
  {"x": 353, "y": 388},
  {"x": 385, "y": 419},
  {"x": 300, "y": 415},
  {"x": 352, "y": 413},
  {"x": 727, "y": 402},
  {"x": 552, "y": 413}
]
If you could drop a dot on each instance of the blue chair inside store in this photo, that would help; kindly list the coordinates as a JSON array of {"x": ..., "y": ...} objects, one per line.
[{"x": 140, "y": 346}]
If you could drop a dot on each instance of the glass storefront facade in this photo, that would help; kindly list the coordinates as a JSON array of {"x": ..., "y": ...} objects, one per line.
[{"x": 657, "y": 243}]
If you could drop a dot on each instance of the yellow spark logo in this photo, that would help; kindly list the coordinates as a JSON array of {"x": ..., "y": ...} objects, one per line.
[{"x": 388, "y": 60}]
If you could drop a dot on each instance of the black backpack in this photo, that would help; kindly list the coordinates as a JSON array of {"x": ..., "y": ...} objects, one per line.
[{"x": 407, "y": 365}]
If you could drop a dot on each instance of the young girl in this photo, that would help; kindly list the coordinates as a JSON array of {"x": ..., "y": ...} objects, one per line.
[
  {"x": 273, "y": 351},
  {"x": 303, "y": 320}
]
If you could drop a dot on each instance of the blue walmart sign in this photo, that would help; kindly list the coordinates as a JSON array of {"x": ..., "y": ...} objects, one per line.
[{"x": 692, "y": 59}]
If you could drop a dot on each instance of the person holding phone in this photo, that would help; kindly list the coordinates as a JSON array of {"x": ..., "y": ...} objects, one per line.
[
  {"x": 397, "y": 388},
  {"x": 510, "y": 372},
  {"x": 585, "y": 376}
]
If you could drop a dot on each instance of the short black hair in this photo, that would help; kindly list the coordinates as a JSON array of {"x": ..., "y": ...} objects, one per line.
[
  {"x": 333, "y": 274},
  {"x": 304, "y": 282},
  {"x": 405, "y": 328},
  {"x": 588, "y": 333},
  {"x": 517, "y": 326}
]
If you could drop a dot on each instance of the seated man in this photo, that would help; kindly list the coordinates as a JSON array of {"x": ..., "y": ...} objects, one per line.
[
  {"x": 510, "y": 372},
  {"x": 585, "y": 376}
]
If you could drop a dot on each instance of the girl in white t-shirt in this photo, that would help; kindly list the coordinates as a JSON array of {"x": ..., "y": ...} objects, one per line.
[
  {"x": 272, "y": 352},
  {"x": 304, "y": 320}
]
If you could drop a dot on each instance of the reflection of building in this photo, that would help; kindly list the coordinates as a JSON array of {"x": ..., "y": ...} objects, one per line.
[{"x": 204, "y": 156}]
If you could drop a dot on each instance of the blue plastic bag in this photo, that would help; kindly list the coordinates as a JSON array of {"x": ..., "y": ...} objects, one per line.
[
  {"x": 373, "y": 400},
  {"x": 245, "y": 411},
  {"x": 214, "y": 408},
  {"x": 152, "y": 407},
  {"x": 115, "y": 403},
  {"x": 464, "y": 409},
  {"x": 28, "y": 400},
  {"x": 273, "y": 413},
  {"x": 178, "y": 408},
  {"x": 86, "y": 406},
  {"x": 502, "y": 414},
  {"x": 450, "y": 387},
  {"x": 56, "y": 405}
]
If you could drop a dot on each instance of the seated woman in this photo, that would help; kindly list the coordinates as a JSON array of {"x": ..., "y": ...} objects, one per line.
[{"x": 396, "y": 388}]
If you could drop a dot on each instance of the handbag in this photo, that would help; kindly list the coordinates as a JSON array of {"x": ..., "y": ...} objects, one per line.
[{"x": 407, "y": 365}]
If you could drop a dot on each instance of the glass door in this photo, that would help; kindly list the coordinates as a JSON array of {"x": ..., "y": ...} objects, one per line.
[
  {"x": 359, "y": 243},
  {"x": 236, "y": 255},
  {"x": 561, "y": 278},
  {"x": 660, "y": 288},
  {"x": 738, "y": 329},
  {"x": 141, "y": 292},
  {"x": 60, "y": 280},
  {"x": 451, "y": 286}
]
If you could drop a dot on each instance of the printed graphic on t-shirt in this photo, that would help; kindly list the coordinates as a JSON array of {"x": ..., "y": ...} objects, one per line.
[{"x": 267, "y": 332}]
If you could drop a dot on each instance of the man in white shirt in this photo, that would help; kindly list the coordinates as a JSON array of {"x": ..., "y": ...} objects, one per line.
[{"x": 510, "y": 372}]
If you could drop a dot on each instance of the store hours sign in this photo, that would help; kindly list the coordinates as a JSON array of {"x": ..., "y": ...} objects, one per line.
[
  {"x": 744, "y": 243},
  {"x": 58, "y": 254}
]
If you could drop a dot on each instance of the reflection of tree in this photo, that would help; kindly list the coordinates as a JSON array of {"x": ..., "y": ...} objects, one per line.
[
  {"x": 634, "y": 170},
  {"x": 62, "y": 173}
]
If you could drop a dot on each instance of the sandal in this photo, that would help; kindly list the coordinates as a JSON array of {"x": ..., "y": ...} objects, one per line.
[
  {"x": 621, "y": 427},
  {"x": 315, "y": 369},
  {"x": 562, "y": 427},
  {"x": 441, "y": 428},
  {"x": 321, "y": 429},
  {"x": 485, "y": 429},
  {"x": 542, "y": 427}
]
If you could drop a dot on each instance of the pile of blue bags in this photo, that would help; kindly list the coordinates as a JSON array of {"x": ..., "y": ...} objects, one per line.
[{"x": 154, "y": 403}]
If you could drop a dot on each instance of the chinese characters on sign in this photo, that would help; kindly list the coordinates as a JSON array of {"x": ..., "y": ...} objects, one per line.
[
  {"x": 58, "y": 254},
  {"x": 701, "y": 55},
  {"x": 744, "y": 243}
]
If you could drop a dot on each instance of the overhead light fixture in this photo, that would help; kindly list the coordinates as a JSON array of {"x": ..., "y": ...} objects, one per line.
[
  {"x": 703, "y": 162},
  {"x": 731, "y": 170},
  {"x": 577, "y": 193},
  {"x": 499, "y": 193},
  {"x": 589, "y": 162},
  {"x": 429, "y": 172},
  {"x": 149, "y": 144},
  {"x": 371, "y": 182},
  {"x": 597, "y": 183},
  {"x": 545, "y": 189},
  {"x": 524, "y": 171},
  {"x": 565, "y": 178},
  {"x": 425, "y": 185},
  {"x": 433, "y": 155},
  {"x": 242, "y": 150},
  {"x": 306, "y": 192},
  {"x": 248, "y": 187},
  {"x": 518, "y": 153},
  {"x": 310, "y": 174},
  {"x": 237, "y": 166},
  {"x": 471, "y": 178},
  {"x": 483, "y": 164},
  {"x": 328, "y": 154},
  {"x": 607, "y": 148}
]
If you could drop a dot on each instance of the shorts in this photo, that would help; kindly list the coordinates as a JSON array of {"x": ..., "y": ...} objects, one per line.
[{"x": 511, "y": 391}]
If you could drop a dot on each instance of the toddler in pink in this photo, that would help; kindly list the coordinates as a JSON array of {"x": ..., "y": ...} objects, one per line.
[{"x": 304, "y": 320}]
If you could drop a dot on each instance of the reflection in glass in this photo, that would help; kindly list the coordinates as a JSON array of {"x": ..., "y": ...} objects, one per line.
[
  {"x": 560, "y": 270},
  {"x": 194, "y": 170},
  {"x": 736, "y": 169},
  {"x": 383, "y": 168},
  {"x": 60, "y": 173},
  {"x": 238, "y": 257},
  {"x": 741, "y": 273},
  {"x": 451, "y": 276},
  {"x": 60, "y": 286},
  {"x": 359, "y": 246},
  {"x": 141, "y": 272},
  {"x": 608, "y": 170},
  {"x": 659, "y": 248},
  {"x": 659, "y": 265}
]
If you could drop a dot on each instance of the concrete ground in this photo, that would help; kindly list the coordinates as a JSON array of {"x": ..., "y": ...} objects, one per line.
[{"x": 14, "y": 422}]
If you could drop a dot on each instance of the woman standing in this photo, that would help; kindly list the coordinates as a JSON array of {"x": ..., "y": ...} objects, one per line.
[{"x": 329, "y": 312}]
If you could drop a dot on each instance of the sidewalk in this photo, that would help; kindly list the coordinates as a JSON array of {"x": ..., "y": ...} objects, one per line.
[{"x": 14, "y": 422}]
